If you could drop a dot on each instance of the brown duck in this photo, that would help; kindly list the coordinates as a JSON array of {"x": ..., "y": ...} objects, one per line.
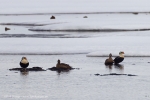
[
  {"x": 109, "y": 61},
  {"x": 62, "y": 65}
]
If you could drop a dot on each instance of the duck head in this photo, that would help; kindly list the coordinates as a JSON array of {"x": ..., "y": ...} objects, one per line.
[
  {"x": 58, "y": 61},
  {"x": 110, "y": 55},
  {"x": 24, "y": 60},
  {"x": 121, "y": 54}
]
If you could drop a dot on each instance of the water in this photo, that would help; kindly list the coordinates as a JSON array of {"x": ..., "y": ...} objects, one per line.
[{"x": 76, "y": 84}]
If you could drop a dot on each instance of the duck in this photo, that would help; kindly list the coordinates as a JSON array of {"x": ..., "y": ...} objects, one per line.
[
  {"x": 119, "y": 58},
  {"x": 62, "y": 65},
  {"x": 24, "y": 62},
  {"x": 109, "y": 61}
]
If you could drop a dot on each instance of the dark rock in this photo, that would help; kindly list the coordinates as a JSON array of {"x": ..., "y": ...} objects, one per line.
[
  {"x": 114, "y": 74},
  {"x": 52, "y": 17},
  {"x": 135, "y": 13},
  {"x": 61, "y": 69},
  {"x": 131, "y": 75},
  {"x": 15, "y": 69},
  {"x": 6, "y": 28},
  {"x": 24, "y": 70},
  {"x": 27, "y": 69},
  {"x": 85, "y": 17},
  {"x": 96, "y": 74},
  {"x": 53, "y": 69},
  {"x": 77, "y": 68}
]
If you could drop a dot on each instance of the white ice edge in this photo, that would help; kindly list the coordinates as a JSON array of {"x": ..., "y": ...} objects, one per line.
[
  {"x": 96, "y": 46},
  {"x": 114, "y": 54}
]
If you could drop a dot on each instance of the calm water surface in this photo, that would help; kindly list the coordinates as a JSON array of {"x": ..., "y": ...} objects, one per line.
[{"x": 76, "y": 84}]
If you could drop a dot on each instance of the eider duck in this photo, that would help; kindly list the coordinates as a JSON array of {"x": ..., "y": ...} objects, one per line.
[
  {"x": 119, "y": 58},
  {"x": 109, "y": 61},
  {"x": 24, "y": 62},
  {"x": 62, "y": 65}
]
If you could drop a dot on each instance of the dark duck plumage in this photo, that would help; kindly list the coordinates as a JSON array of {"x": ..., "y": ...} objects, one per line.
[
  {"x": 24, "y": 62},
  {"x": 109, "y": 61},
  {"x": 119, "y": 58},
  {"x": 62, "y": 65}
]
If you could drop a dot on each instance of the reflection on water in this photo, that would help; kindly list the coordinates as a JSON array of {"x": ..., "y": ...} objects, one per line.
[
  {"x": 109, "y": 66},
  {"x": 74, "y": 84},
  {"x": 63, "y": 72},
  {"x": 24, "y": 73},
  {"x": 119, "y": 67}
]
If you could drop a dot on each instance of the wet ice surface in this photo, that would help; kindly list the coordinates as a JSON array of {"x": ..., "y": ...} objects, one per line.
[
  {"x": 52, "y": 6},
  {"x": 43, "y": 49},
  {"x": 76, "y": 84},
  {"x": 96, "y": 44},
  {"x": 76, "y": 22}
]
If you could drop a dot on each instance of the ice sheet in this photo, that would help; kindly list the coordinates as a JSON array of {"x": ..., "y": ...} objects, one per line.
[
  {"x": 95, "y": 46},
  {"x": 67, "y": 6},
  {"x": 76, "y": 22},
  {"x": 100, "y": 44}
]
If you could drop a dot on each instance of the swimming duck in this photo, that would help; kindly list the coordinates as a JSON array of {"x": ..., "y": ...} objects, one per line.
[
  {"x": 62, "y": 65},
  {"x": 24, "y": 62},
  {"x": 109, "y": 61},
  {"x": 119, "y": 58}
]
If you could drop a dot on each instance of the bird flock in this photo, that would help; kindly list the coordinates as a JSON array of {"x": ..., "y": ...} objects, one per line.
[
  {"x": 117, "y": 60},
  {"x": 24, "y": 62}
]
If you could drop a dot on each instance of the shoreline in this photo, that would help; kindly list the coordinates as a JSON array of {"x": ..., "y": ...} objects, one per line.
[{"x": 121, "y": 12}]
